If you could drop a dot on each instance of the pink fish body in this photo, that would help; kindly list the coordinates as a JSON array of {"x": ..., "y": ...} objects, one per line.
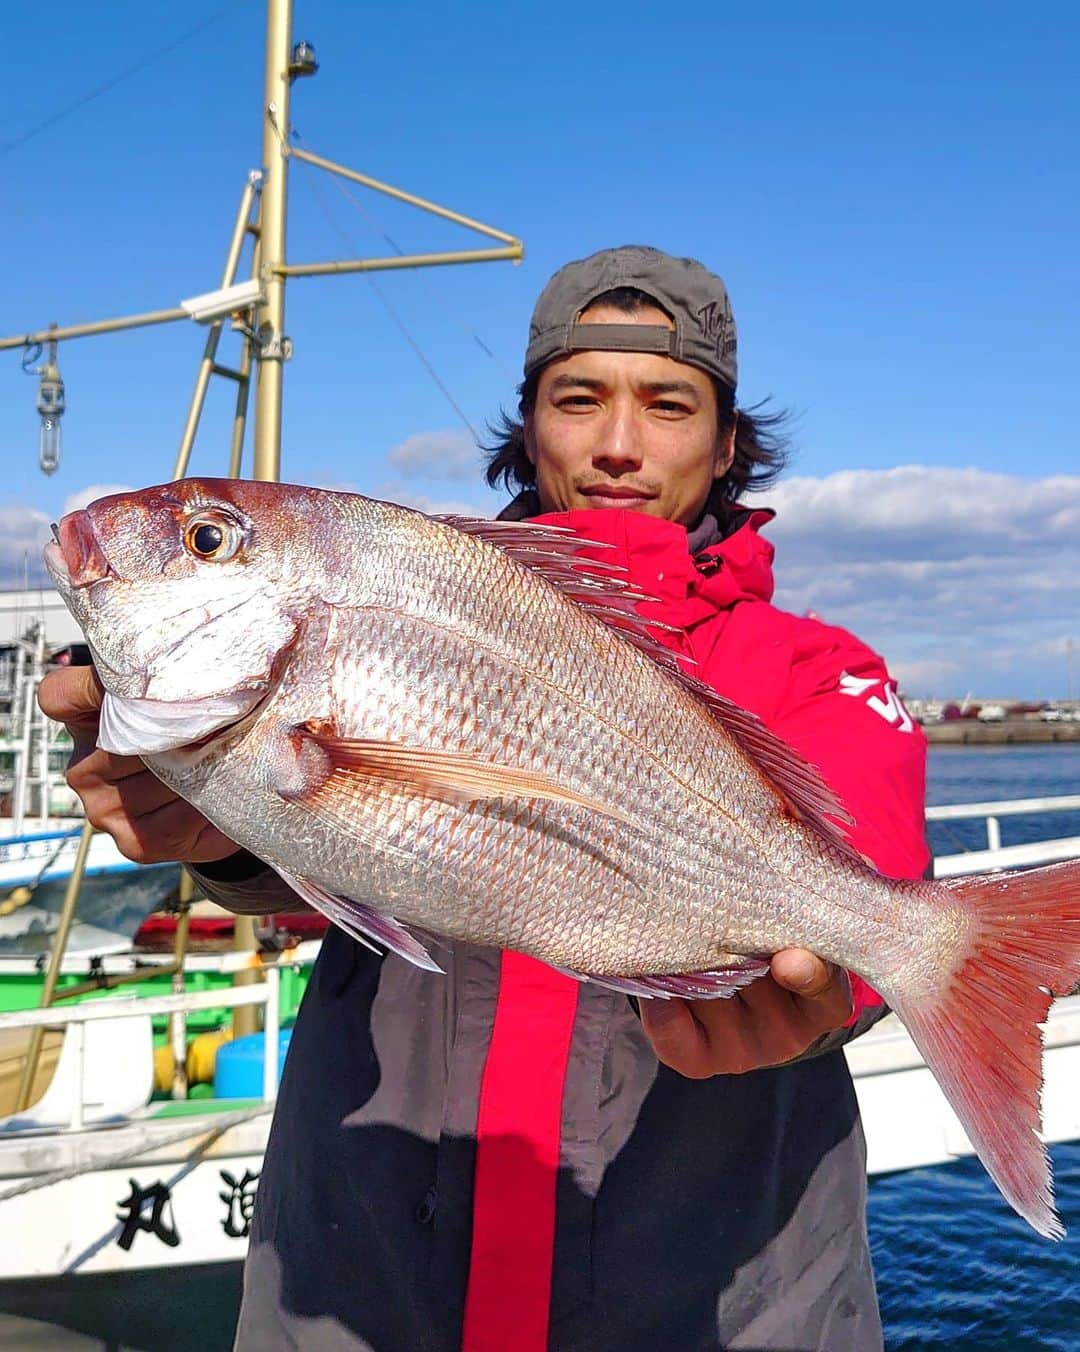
[{"x": 451, "y": 726}]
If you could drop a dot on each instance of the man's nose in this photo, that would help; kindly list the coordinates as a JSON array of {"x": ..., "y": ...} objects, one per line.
[{"x": 619, "y": 449}]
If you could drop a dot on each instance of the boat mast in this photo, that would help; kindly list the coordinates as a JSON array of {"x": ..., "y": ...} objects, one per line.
[{"x": 270, "y": 253}]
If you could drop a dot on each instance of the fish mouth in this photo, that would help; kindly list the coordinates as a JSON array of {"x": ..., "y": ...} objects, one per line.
[
  {"x": 75, "y": 561},
  {"x": 75, "y": 555}
]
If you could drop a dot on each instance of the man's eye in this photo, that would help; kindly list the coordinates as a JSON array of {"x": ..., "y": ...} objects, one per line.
[{"x": 670, "y": 406}]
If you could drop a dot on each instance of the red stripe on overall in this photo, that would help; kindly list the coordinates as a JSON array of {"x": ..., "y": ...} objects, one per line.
[{"x": 518, "y": 1127}]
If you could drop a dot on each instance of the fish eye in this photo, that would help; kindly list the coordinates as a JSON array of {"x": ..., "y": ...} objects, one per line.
[{"x": 212, "y": 536}]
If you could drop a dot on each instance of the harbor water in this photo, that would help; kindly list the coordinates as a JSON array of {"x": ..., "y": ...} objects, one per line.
[{"x": 955, "y": 1267}]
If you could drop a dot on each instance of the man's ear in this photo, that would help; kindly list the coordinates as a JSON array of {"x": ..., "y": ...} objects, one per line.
[
  {"x": 529, "y": 438},
  {"x": 725, "y": 450}
]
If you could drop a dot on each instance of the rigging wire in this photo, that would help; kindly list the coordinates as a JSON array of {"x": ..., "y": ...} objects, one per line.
[
  {"x": 111, "y": 83},
  {"x": 378, "y": 228},
  {"x": 384, "y": 300}
]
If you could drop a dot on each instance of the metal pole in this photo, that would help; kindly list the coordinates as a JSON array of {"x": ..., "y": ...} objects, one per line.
[
  {"x": 59, "y": 945},
  {"x": 509, "y": 253},
  {"x": 206, "y": 366},
  {"x": 271, "y": 314},
  {"x": 236, "y": 449},
  {"x": 270, "y": 325},
  {"x": 21, "y": 703},
  {"x": 271, "y": 1027},
  {"x": 99, "y": 326},
  {"x": 422, "y": 202},
  {"x": 178, "y": 1021},
  {"x": 243, "y": 388},
  {"x": 39, "y": 732}
]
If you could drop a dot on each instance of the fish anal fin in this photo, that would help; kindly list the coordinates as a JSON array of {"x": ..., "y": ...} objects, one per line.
[{"x": 719, "y": 983}]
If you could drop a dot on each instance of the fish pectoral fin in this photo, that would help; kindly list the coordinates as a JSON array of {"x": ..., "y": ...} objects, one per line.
[
  {"x": 718, "y": 984},
  {"x": 361, "y": 921},
  {"x": 449, "y": 777}
]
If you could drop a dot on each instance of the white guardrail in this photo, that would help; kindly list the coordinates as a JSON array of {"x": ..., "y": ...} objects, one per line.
[
  {"x": 74, "y": 1018},
  {"x": 996, "y": 855}
]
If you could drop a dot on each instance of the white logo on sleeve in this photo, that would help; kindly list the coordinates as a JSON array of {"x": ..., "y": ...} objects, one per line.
[{"x": 884, "y": 700}]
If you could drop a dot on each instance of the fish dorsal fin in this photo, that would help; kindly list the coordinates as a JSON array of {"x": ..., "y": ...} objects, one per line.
[
  {"x": 604, "y": 592},
  {"x": 800, "y": 785},
  {"x": 601, "y": 589}
]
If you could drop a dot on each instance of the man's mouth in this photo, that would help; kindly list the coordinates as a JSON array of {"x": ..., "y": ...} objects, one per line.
[{"x": 615, "y": 495}]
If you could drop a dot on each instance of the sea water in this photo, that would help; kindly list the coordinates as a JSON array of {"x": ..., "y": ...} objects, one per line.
[{"x": 956, "y": 1268}]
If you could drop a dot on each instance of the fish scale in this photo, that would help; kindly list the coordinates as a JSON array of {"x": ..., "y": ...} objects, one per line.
[{"x": 385, "y": 689}]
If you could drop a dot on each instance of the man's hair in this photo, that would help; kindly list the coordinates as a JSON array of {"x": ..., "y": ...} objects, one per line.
[{"x": 761, "y": 448}]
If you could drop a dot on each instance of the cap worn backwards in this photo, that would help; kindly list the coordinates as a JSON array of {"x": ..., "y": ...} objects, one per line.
[{"x": 696, "y": 299}]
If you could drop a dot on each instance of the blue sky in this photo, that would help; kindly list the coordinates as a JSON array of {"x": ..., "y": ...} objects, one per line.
[{"x": 892, "y": 199}]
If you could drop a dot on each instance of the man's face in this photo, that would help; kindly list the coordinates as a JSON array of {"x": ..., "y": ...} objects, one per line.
[{"x": 625, "y": 429}]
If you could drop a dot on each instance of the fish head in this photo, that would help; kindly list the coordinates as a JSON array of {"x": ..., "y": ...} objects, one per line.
[{"x": 191, "y": 596}]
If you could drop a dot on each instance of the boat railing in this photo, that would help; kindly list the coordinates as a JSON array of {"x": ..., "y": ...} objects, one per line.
[
  {"x": 996, "y": 855},
  {"x": 74, "y": 1018}
]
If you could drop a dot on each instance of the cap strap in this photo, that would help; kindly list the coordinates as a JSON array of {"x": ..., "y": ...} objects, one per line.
[{"x": 622, "y": 338}]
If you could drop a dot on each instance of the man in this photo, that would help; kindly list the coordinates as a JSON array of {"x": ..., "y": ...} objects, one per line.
[{"x": 504, "y": 1160}]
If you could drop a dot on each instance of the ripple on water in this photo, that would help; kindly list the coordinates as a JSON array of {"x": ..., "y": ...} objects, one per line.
[{"x": 957, "y": 1268}]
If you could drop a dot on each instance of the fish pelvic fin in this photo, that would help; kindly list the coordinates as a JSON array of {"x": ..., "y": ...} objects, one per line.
[
  {"x": 449, "y": 777},
  {"x": 361, "y": 921},
  {"x": 980, "y": 1034}
]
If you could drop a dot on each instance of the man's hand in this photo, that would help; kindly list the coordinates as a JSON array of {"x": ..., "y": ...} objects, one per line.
[
  {"x": 773, "y": 1020},
  {"x": 149, "y": 822}
]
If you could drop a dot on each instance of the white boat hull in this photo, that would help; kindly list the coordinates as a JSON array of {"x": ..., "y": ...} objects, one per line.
[
  {"x": 178, "y": 1204},
  {"x": 48, "y": 853}
]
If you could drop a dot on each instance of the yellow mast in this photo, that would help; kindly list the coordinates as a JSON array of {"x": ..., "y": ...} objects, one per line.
[{"x": 270, "y": 315}]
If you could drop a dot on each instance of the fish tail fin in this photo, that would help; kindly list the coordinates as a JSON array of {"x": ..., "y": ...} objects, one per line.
[{"x": 980, "y": 1036}]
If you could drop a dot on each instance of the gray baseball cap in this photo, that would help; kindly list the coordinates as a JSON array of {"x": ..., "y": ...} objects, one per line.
[{"x": 696, "y": 299}]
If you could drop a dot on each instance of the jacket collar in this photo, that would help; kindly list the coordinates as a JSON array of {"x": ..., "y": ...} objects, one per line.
[{"x": 657, "y": 556}]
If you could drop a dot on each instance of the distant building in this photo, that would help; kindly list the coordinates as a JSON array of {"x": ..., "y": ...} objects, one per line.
[{"x": 19, "y": 610}]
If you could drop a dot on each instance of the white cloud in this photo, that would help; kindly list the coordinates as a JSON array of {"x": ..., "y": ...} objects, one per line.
[
  {"x": 23, "y": 534},
  {"x": 438, "y": 455},
  {"x": 938, "y": 513},
  {"x": 960, "y": 577},
  {"x": 85, "y": 496},
  {"x": 405, "y": 496}
]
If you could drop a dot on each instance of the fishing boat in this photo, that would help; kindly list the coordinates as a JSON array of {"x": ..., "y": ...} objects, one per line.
[{"x": 41, "y": 822}]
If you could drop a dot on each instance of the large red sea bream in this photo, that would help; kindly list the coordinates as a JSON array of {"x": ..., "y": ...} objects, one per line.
[{"x": 452, "y": 726}]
